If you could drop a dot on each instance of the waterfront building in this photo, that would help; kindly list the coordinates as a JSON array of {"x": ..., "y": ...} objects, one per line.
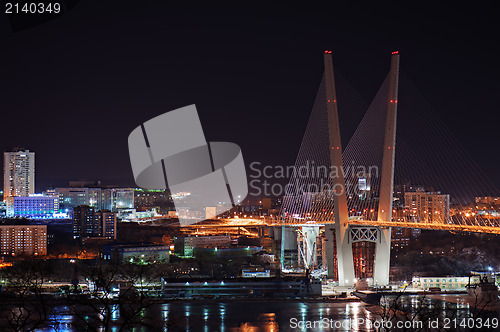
[
  {"x": 244, "y": 287},
  {"x": 444, "y": 283},
  {"x": 255, "y": 272}
]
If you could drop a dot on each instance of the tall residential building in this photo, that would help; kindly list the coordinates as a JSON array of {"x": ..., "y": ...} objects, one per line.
[
  {"x": 23, "y": 240},
  {"x": 432, "y": 207},
  {"x": 89, "y": 223},
  {"x": 19, "y": 174}
]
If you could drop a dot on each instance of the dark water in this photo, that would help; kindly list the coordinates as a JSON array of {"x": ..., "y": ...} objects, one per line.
[{"x": 296, "y": 316}]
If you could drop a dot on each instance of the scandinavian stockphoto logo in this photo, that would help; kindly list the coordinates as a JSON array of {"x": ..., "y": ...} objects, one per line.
[{"x": 170, "y": 151}]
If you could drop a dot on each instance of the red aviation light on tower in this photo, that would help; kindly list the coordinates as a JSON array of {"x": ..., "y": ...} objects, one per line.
[
  {"x": 395, "y": 52},
  {"x": 328, "y": 52}
]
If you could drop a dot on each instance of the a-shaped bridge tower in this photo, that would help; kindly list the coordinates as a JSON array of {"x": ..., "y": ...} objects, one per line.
[{"x": 345, "y": 234}]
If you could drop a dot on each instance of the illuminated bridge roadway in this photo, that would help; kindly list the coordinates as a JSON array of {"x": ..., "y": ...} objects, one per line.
[{"x": 483, "y": 226}]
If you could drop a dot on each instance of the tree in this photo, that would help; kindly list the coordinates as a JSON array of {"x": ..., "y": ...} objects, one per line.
[
  {"x": 117, "y": 297},
  {"x": 424, "y": 313},
  {"x": 23, "y": 304}
]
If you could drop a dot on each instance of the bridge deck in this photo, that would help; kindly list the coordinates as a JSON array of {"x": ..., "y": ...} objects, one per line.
[{"x": 249, "y": 222}]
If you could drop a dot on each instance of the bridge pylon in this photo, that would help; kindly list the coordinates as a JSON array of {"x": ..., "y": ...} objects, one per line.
[
  {"x": 383, "y": 246},
  {"x": 345, "y": 234},
  {"x": 345, "y": 264}
]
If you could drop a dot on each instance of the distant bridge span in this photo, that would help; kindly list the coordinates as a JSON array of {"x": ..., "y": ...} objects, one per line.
[{"x": 249, "y": 222}]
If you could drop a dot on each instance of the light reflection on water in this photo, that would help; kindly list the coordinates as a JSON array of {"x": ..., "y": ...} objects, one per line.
[{"x": 264, "y": 316}]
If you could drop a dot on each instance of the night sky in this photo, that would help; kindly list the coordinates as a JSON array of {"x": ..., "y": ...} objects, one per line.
[{"x": 72, "y": 89}]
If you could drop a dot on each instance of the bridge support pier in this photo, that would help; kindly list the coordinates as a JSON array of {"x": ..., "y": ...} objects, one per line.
[
  {"x": 344, "y": 239},
  {"x": 345, "y": 260},
  {"x": 309, "y": 237},
  {"x": 382, "y": 257},
  {"x": 330, "y": 256}
]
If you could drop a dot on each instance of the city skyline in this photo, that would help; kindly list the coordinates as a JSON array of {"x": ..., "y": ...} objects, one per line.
[{"x": 94, "y": 99}]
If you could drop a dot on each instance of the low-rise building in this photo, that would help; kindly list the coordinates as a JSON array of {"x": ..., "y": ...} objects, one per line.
[
  {"x": 35, "y": 206},
  {"x": 113, "y": 199},
  {"x": 255, "y": 272},
  {"x": 18, "y": 240},
  {"x": 139, "y": 253},
  {"x": 229, "y": 252},
  {"x": 444, "y": 283},
  {"x": 244, "y": 287},
  {"x": 185, "y": 246}
]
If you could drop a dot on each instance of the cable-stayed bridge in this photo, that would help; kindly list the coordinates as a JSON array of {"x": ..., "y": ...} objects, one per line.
[{"x": 401, "y": 168}]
